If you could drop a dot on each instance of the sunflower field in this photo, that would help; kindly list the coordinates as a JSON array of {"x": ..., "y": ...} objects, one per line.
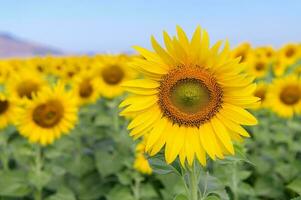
[{"x": 187, "y": 120}]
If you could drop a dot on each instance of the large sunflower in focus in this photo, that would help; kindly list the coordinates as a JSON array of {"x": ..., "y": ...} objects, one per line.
[
  {"x": 284, "y": 96},
  {"x": 23, "y": 85},
  {"x": 51, "y": 113},
  {"x": 113, "y": 71},
  {"x": 192, "y": 98}
]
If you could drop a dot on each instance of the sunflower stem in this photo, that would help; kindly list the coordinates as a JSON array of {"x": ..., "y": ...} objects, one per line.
[
  {"x": 5, "y": 156},
  {"x": 115, "y": 116},
  {"x": 184, "y": 181},
  {"x": 39, "y": 165},
  {"x": 234, "y": 182},
  {"x": 136, "y": 188},
  {"x": 193, "y": 182}
]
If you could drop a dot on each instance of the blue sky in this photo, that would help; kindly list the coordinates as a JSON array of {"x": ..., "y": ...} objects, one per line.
[{"x": 115, "y": 26}]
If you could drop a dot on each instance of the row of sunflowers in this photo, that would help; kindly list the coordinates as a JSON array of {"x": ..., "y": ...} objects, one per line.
[{"x": 62, "y": 136}]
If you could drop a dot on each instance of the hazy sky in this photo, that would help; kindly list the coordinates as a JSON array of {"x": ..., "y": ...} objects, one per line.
[{"x": 114, "y": 26}]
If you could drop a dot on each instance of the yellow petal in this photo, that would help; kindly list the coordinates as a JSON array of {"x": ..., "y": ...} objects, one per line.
[
  {"x": 207, "y": 140},
  {"x": 233, "y": 126},
  {"x": 142, "y": 118},
  {"x": 156, "y": 133},
  {"x": 150, "y": 66},
  {"x": 182, "y": 38},
  {"x": 162, "y": 53},
  {"x": 198, "y": 149},
  {"x": 162, "y": 140},
  {"x": 174, "y": 144},
  {"x": 222, "y": 133},
  {"x": 141, "y": 91},
  {"x": 238, "y": 115},
  {"x": 147, "y": 54},
  {"x": 189, "y": 149},
  {"x": 141, "y": 83}
]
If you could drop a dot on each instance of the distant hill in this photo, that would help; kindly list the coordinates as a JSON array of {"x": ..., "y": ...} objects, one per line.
[{"x": 12, "y": 46}]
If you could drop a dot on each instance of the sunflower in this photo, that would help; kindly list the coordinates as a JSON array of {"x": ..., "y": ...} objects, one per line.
[
  {"x": 86, "y": 87},
  {"x": 70, "y": 70},
  {"x": 4, "y": 72},
  {"x": 23, "y": 85},
  {"x": 191, "y": 100},
  {"x": 38, "y": 64},
  {"x": 242, "y": 51},
  {"x": 259, "y": 67},
  {"x": 284, "y": 96},
  {"x": 280, "y": 66},
  {"x": 51, "y": 113},
  {"x": 290, "y": 52},
  {"x": 112, "y": 72},
  {"x": 57, "y": 66},
  {"x": 298, "y": 69},
  {"x": 261, "y": 92},
  {"x": 141, "y": 164},
  {"x": 8, "y": 110}
]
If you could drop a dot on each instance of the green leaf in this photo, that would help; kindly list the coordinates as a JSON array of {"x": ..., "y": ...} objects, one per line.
[
  {"x": 108, "y": 163},
  {"x": 124, "y": 178},
  {"x": 39, "y": 180},
  {"x": 244, "y": 174},
  {"x": 288, "y": 171},
  {"x": 239, "y": 156},
  {"x": 212, "y": 197},
  {"x": 62, "y": 194},
  {"x": 103, "y": 120},
  {"x": 159, "y": 166},
  {"x": 267, "y": 186},
  {"x": 14, "y": 184},
  {"x": 295, "y": 186},
  {"x": 211, "y": 185},
  {"x": 246, "y": 189},
  {"x": 119, "y": 192},
  {"x": 181, "y": 197},
  {"x": 90, "y": 187},
  {"x": 147, "y": 191},
  {"x": 172, "y": 185}
]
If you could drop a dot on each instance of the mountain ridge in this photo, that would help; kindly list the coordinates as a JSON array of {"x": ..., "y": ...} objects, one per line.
[{"x": 13, "y": 46}]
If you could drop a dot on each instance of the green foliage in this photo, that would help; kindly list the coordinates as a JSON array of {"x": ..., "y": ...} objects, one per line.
[
  {"x": 95, "y": 162},
  {"x": 269, "y": 166}
]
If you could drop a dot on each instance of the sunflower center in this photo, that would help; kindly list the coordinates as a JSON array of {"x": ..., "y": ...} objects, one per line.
[
  {"x": 261, "y": 94},
  {"x": 290, "y": 52},
  {"x": 290, "y": 95},
  {"x": 269, "y": 54},
  {"x": 3, "y": 106},
  {"x": 189, "y": 96},
  {"x": 241, "y": 54},
  {"x": 27, "y": 88},
  {"x": 259, "y": 66},
  {"x": 113, "y": 74},
  {"x": 70, "y": 74},
  {"x": 85, "y": 89},
  {"x": 49, "y": 114}
]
